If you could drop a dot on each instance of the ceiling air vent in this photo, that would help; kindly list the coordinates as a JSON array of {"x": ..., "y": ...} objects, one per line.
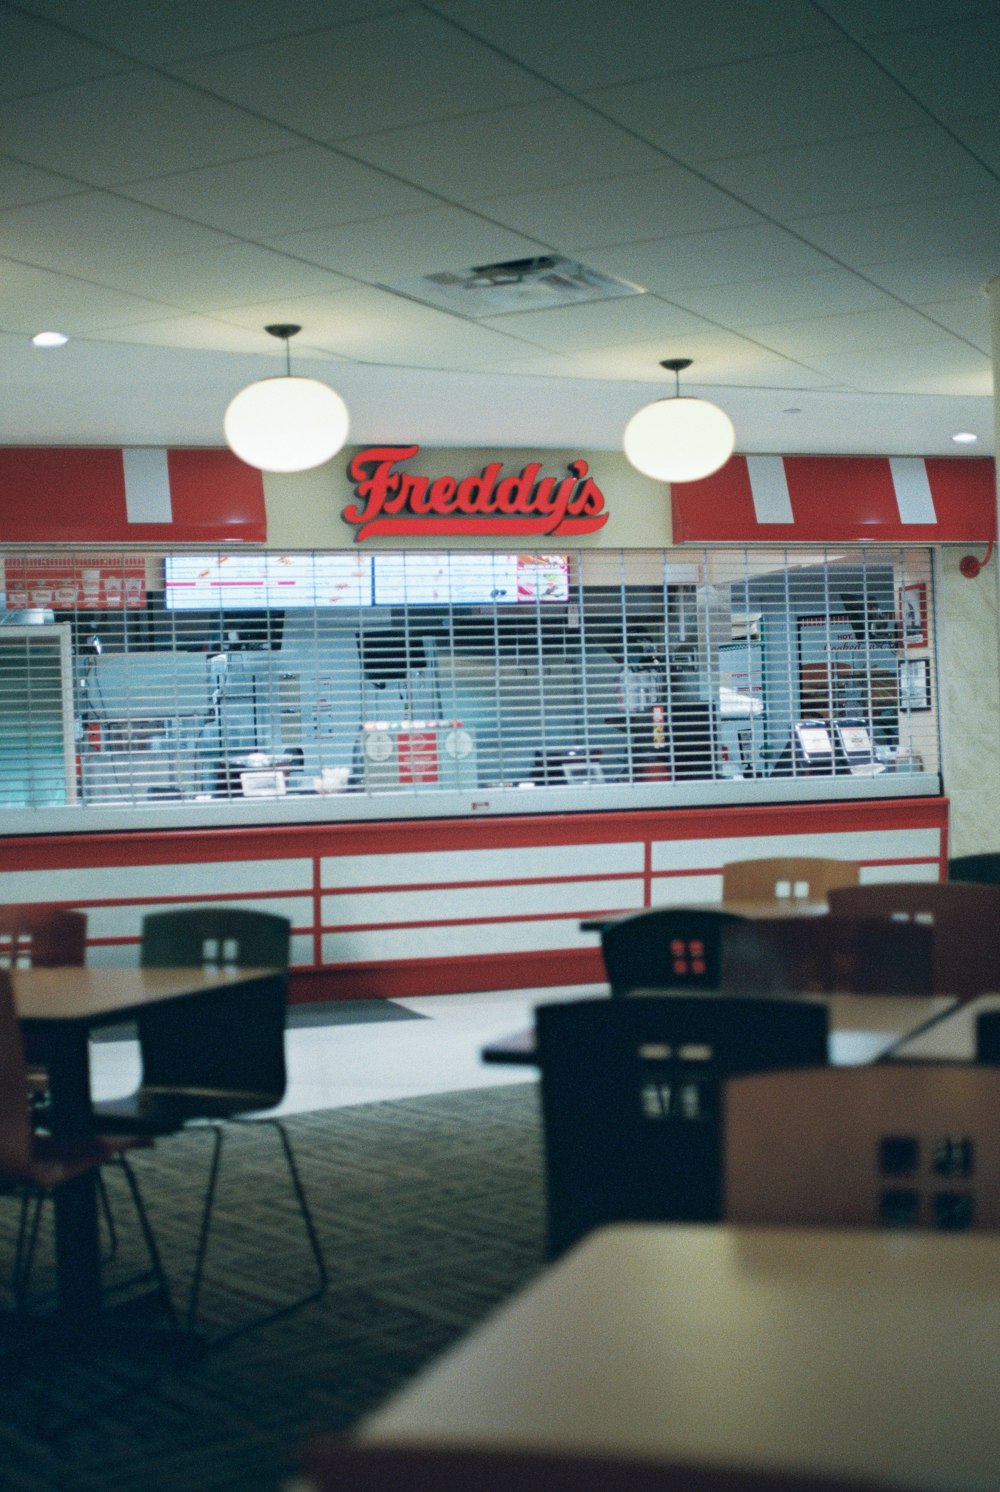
[{"x": 536, "y": 284}]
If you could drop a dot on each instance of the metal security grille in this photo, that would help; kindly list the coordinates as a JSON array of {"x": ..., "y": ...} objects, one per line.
[{"x": 241, "y": 675}]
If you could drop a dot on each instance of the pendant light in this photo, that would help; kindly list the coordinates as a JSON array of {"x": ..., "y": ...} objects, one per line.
[
  {"x": 679, "y": 439},
  {"x": 287, "y": 423}
]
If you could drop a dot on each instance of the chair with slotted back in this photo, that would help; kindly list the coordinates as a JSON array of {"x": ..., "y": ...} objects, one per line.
[
  {"x": 893, "y": 1144},
  {"x": 827, "y": 955},
  {"x": 34, "y": 1166},
  {"x": 630, "y": 1093},
  {"x": 983, "y": 868},
  {"x": 37, "y": 934},
  {"x": 220, "y": 1060},
  {"x": 963, "y": 916},
  {"x": 792, "y": 878},
  {"x": 664, "y": 947}
]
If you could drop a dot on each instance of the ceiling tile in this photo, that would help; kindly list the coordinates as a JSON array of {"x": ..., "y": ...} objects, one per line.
[
  {"x": 233, "y": 274},
  {"x": 412, "y": 336},
  {"x": 798, "y": 98},
  {"x": 953, "y": 69},
  {"x": 588, "y": 213},
  {"x": 578, "y": 48},
  {"x": 967, "y": 317},
  {"x": 311, "y": 187},
  {"x": 865, "y": 171},
  {"x": 21, "y": 184},
  {"x": 186, "y": 28},
  {"x": 719, "y": 361},
  {"x": 541, "y": 145},
  {"x": 784, "y": 298},
  {"x": 137, "y": 125},
  {"x": 947, "y": 278},
  {"x": 396, "y": 70},
  {"x": 731, "y": 256},
  {"x": 35, "y": 57},
  {"x": 871, "y": 17},
  {"x": 860, "y": 331},
  {"x": 96, "y": 231},
  {"x": 942, "y": 366},
  {"x": 417, "y": 244},
  {"x": 610, "y": 323},
  {"x": 878, "y": 235},
  {"x": 981, "y": 137},
  {"x": 193, "y": 332},
  {"x": 34, "y": 300}
]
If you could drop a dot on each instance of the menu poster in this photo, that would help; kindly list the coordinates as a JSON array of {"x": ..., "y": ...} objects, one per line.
[
  {"x": 213, "y": 582},
  {"x": 96, "y": 583}
]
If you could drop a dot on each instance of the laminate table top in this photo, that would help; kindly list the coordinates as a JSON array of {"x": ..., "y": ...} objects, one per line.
[
  {"x": 863, "y": 1028},
  {"x": 843, "y": 1352},
  {"x": 98, "y": 996}
]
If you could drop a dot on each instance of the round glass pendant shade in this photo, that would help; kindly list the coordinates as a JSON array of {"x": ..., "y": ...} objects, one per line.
[
  {"x": 679, "y": 440},
  {"x": 286, "y": 424}
]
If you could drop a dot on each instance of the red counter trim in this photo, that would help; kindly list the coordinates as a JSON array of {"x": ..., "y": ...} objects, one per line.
[{"x": 434, "y": 949}]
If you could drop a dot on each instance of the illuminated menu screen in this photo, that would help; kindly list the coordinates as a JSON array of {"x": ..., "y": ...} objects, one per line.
[
  {"x": 214, "y": 582},
  {"x": 471, "y": 579}
]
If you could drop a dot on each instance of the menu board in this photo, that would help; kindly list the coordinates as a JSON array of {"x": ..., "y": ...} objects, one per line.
[
  {"x": 213, "y": 582},
  {"x": 470, "y": 578}
]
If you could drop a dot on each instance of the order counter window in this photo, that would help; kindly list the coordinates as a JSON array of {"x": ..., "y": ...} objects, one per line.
[{"x": 253, "y": 676}]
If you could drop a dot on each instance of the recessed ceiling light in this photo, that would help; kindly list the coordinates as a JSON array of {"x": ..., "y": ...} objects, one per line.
[
  {"x": 50, "y": 339},
  {"x": 964, "y": 438}
]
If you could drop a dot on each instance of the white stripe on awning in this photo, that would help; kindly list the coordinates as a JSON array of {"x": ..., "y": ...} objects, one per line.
[
  {"x": 913, "y": 490},
  {"x": 147, "y": 485},
  {"x": 769, "y": 486}
]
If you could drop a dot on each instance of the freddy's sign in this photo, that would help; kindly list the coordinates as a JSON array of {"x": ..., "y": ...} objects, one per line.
[{"x": 390, "y": 501}]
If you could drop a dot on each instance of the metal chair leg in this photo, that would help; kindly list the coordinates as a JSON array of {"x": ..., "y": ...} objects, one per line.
[{"x": 307, "y": 1219}]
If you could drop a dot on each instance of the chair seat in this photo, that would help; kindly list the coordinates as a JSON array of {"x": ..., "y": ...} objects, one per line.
[
  {"x": 154, "y": 1111},
  {"x": 54, "y": 1162}
]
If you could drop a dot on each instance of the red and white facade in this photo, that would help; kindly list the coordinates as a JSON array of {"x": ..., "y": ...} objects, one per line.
[{"x": 441, "y": 905}]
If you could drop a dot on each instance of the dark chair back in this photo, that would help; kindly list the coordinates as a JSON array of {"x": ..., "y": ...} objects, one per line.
[
  {"x": 630, "y": 1095},
  {"x": 665, "y": 948},
  {"x": 35, "y": 933},
  {"x": 219, "y": 937},
  {"x": 988, "y": 1036},
  {"x": 237, "y": 1044},
  {"x": 983, "y": 868},
  {"x": 964, "y": 918},
  {"x": 828, "y": 955}
]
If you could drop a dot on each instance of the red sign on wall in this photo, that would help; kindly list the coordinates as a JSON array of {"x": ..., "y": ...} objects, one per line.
[
  {"x": 97, "y": 583},
  {"x": 395, "y": 502},
  {"x": 417, "y": 756}
]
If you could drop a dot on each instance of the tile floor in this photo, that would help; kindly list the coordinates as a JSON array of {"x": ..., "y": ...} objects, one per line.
[{"x": 332, "y": 1067}]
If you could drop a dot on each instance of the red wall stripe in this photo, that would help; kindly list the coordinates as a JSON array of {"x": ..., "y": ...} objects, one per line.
[
  {"x": 60, "y": 495},
  {"x": 839, "y": 499}
]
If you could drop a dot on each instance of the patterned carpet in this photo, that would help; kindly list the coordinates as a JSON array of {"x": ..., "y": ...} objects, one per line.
[{"x": 430, "y": 1211}]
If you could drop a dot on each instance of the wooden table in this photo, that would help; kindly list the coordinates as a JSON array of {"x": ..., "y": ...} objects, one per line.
[
  {"x": 863, "y": 1028},
  {"x": 836, "y": 1352},
  {"x": 61, "y": 1006}
]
